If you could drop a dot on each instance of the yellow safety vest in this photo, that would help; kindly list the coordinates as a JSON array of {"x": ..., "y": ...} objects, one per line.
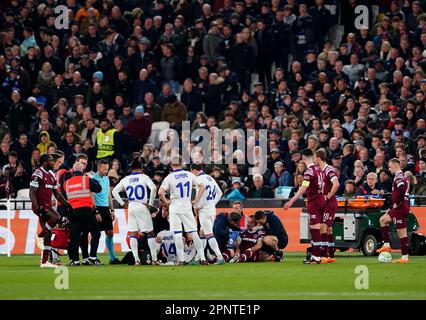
[{"x": 105, "y": 142}]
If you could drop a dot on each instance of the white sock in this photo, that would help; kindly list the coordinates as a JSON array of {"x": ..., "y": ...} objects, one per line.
[
  {"x": 405, "y": 256},
  {"x": 179, "y": 246},
  {"x": 204, "y": 242},
  {"x": 55, "y": 256},
  {"x": 152, "y": 248},
  {"x": 198, "y": 245},
  {"x": 134, "y": 247},
  {"x": 215, "y": 247}
]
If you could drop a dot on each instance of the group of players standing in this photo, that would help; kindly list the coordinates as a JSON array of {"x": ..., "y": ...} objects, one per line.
[
  {"x": 175, "y": 193},
  {"x": 320, "y": 183}
]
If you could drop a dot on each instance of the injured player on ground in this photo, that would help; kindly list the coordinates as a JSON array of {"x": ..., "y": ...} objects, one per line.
[{"x": 249, "y": 244}]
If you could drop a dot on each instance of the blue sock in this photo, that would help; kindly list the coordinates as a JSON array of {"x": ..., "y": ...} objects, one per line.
[{"x": 110, "y": 245}]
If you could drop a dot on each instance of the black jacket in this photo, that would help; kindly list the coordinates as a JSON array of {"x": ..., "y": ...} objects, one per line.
[
  {"x": 242, "y": 58},
  {"x": 192, "y": 100},
  {"x": 274, "y": 226}
]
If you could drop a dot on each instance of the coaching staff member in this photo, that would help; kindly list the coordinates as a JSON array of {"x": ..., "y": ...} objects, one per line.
[
  {"x": 276, "y": 238},
  {"x": 78, "y": 190}
]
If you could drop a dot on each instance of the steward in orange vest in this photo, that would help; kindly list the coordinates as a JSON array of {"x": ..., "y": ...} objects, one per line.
[{"x": 78, "y": 189}]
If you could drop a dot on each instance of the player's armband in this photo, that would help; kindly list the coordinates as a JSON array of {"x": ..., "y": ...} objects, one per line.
[{"x": 305, "y": 183}]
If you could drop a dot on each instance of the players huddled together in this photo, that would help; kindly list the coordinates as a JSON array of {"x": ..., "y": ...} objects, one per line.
[{"x": 191, "y": 231}]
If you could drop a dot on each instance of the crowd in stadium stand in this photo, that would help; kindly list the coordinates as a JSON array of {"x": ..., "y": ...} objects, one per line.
[{"x": 275, "y": 65}]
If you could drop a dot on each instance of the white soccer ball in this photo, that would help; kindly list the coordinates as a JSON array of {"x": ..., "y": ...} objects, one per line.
[{"x": 385, "y": 257}]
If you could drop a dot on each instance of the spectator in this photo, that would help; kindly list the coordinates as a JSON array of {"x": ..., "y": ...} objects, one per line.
[
  {"x": 152, "y": 108},
  {"x": 370, "y": 186},
  {"x": 174, "y": 112},
  {"x": 23, "y": 147},
  {"x": 44, "y": 142},
  {"x": 280, "y": 177},
  {"x": 350, "y": 189},
  {"x": 20, "y": 113},
  {"x": 90, "y": 132},
  {"x": 235, "y": 193},
  {"x": 19, "y": 180},
  {"x": 191, "y": 98},
  {"x": 259, "y": 190},
  {"x": 139, "y": 129}
]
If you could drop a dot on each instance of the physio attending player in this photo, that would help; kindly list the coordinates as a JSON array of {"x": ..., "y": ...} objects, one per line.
[
  {"x": 313, "y": 185},
  {"x": 207, "y": 209},
  {"x": 105, "y": 209},
  {"x": 398, "y": 213},
  {"x": 42, "y": 186},
  {"x": 179, "y": 184},
  {"x": 331, "y": 185},
  {"x": 276, "y": 238},
  {"x": 136, "y": 186},
  {"x": 226, "y": 230}
]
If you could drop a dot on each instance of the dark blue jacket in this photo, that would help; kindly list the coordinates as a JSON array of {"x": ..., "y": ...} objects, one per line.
[
  {"x": 274, "y": 226},
  {"x": 222, "y": 231}
]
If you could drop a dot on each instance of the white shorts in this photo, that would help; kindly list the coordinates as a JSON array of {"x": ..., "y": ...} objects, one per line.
[
  {"x": 207, "y": 217},
  {"x": 139, "y": 218},
  {"x": 177, "y": 219}
]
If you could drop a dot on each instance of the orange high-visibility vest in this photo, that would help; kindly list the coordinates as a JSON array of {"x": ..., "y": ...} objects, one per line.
[
  {"x": 58, "y": 175},
  {"x": 78, "y": 192}
]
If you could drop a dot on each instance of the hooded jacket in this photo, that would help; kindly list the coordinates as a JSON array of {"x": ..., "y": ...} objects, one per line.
[{"x": 43, "y": 146}]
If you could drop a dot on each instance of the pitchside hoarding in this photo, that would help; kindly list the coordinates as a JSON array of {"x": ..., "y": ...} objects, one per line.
[{"x": 24, "y": 227}]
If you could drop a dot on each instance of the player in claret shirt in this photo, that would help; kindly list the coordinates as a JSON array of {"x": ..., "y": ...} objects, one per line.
[
  {"x": 331, "y": 185},
  {"x": 42, "y": 186},
  {"x": 398, "y": 213},
  {"x": 313, "y": 184},
  {"x": 249, "y": 243}
]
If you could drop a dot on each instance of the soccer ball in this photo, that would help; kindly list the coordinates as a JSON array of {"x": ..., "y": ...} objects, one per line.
[{"x": 385, "y": 257}]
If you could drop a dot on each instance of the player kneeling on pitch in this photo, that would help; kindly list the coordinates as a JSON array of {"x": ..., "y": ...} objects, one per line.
[
  {"x": 136, "y": 186},
  {"x": 206, "y": 208},
  {"x": 249, "y": 244},
  {"x": 276, "y": 238},
  {"x": 398, "y": 213}
]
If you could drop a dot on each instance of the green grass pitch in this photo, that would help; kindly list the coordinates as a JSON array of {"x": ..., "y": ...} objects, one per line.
[{"x": 21, "y": 278}]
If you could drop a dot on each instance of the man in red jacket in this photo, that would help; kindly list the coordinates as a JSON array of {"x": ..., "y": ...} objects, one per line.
[{"x": 139, "y": 129}]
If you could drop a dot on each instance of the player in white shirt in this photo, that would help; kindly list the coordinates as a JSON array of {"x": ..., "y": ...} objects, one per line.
[
  {"x": 179, "y": 184},
  {"x": 166, "y": 242},
  {"x": 140, "y": 219},
  {"x": 206, "y": 207}
]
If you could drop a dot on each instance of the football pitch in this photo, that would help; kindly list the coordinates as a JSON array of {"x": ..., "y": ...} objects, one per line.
[{"x": 21, "y": 278}]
